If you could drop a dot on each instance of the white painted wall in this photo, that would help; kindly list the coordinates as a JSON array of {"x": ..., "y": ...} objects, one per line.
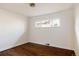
[
  {"x": 13, "y": 28},
  {"x": 59, "y": 37},
  {"x": 76, "y": 41}
]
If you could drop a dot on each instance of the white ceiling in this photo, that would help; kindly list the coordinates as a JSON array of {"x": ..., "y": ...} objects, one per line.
[{"x": 39, "y": 9}]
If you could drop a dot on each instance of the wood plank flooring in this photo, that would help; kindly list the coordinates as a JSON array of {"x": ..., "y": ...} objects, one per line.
[{"x": 33, "y": 49}]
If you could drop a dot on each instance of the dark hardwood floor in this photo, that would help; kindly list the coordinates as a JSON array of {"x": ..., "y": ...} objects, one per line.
[{"x": 33, "y": 49}]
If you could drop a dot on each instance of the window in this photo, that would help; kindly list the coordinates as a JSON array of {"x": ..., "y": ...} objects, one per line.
[
  {"x": 48, "y": 23},
  {"x": 56, "y": 23}
]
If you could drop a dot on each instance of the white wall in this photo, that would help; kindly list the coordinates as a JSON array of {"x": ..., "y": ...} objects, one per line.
[
  {"x": 76, "y": 41},
  {"x": 13, "y": 28},
  {"x": 59, "y": 37}
]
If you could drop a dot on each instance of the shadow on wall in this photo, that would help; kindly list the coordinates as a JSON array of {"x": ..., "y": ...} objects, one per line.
[{"x": 23, "y": 39}]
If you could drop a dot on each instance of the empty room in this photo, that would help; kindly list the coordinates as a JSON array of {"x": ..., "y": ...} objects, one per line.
[{"x": 39, "y": 29}]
